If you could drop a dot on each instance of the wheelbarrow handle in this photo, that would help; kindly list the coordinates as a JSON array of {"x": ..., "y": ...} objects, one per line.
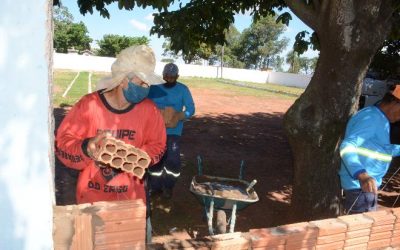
[
  {"x": 199, "y": 165},
  {"x": 241, "y": 172},
  {"x": 251, "y": 185}
]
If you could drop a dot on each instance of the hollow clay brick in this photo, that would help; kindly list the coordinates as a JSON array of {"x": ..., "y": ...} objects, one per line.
[
  {"x": 120, "y": 155},
  {"x": 119, "y": 237},
  {"x": 381, "y": 235},
  {"x": 231, "y": 244},
  {"x": 266, "y": 237},
  {"x": 140, "y": 212},
  {"x": 378, "y": 244},
  {"x": 358, "y": 233},
  {"x": 83, "y": 233},
  {"x": 396, "y": 233},
  {"x": 121, "y": 225},
  {"x": 397, "y": 226},
  {"x": 356, "y": 247},
  {"x": 356, "y": 241},
  {"x": 329, "y": 226},
  {"x": 123, "y": 246},
  {"x": 167, "y": 114},
  {"x": 396, "y": 212},
  {"x": 302, "y": 244},
  {"x": 330, "y": 246},
  {"x": 383, "y": 228},
  {"x": 383, "y": 217},
  {"x": 299, "y": 231},
  {"x": 280, "y": 247},
  {"x": 395, "y": 242},
  {"x": 331, "y": 238},
  {"x": 356, "y": 221}
]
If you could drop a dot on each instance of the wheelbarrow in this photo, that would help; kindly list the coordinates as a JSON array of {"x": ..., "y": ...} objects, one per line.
[{"x": 223, "y": 195}]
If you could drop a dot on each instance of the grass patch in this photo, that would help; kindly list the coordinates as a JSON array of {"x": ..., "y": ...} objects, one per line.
[
  {"x": 244, "y": 88},
  {"x": 230, "y": 88},
  {"x": 62, "y": 80}
]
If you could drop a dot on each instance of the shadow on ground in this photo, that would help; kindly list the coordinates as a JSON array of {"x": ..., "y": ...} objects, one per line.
[{"x": 222, "y": 141}]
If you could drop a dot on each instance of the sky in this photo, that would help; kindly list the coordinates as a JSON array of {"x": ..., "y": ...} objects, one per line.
[{"x": 139, "y": 21}]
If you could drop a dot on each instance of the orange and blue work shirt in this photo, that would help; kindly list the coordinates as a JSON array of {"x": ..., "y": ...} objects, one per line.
[
  {"x": 366, "y": 147},
  {"x": 140, "y": 125}
]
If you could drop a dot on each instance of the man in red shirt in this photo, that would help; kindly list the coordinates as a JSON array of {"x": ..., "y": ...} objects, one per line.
[{"x": 119, "y": 109}]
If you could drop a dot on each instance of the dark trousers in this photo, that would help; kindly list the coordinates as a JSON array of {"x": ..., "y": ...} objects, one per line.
[
  {"x": 165, "y": 173},
  {"x": 357, "y": 201}
]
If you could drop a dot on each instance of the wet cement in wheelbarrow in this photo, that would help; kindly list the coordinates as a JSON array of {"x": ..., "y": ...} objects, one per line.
[{"x": 233, "y": 190}]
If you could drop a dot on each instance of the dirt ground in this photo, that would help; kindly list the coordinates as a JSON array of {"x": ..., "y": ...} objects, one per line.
[{"x": 226, "y": 130}]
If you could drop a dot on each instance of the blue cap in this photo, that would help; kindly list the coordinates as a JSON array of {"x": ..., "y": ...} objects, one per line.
[{"x": 170, "y": 69}]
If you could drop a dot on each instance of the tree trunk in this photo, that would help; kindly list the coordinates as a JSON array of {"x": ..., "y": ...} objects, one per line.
[{"x": 349, "y": 35}]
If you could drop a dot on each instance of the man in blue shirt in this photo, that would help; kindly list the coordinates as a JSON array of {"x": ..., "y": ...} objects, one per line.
[
  {"x": 366, "y": 153},
  {"x": 176, "y": 97}
]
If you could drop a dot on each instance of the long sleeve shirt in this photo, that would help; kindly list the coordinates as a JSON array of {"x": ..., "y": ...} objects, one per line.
[
  {"x": 140, "y": 125},
  {"x": 366, "y": 147},
  {"x": 178, "y": 97}
]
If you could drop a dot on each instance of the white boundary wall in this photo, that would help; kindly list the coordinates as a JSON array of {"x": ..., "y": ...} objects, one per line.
[
  {"x": 95, "y": 63},
  {"x": 26, "y": 130}
]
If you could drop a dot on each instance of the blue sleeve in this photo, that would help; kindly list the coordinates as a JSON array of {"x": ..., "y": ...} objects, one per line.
[
  {"x": 361, "y": 128},
  {"x": 188, "y": 103},
  {"x": 395, "y": 148}
]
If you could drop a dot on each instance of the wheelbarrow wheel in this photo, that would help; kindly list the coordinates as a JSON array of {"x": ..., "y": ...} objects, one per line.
[{"x": 221, "y": 222}]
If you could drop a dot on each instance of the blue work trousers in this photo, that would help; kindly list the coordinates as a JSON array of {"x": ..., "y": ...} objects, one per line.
[
  {"x": 164, "y": 174},
  {"x": 357, "y": 201}
]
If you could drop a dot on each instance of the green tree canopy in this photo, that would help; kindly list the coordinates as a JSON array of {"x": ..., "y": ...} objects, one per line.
[
  {"x": 111, "y": 45},
  {"x": 68, "y": 34},
  {"x": 260, "y": 43},
  {"x": 293, "y": 59}
]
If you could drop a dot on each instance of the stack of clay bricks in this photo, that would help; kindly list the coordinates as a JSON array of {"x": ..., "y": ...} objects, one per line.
[
  {"x": 372, "y": 230},
  {"x": 118, "y": 154},
  {"x": 395, "y": 241},
  {"x": 101, "y": 225}
]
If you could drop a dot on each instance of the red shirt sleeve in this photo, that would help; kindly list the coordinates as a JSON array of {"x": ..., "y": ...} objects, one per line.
[{"x": 74, "y": 129}]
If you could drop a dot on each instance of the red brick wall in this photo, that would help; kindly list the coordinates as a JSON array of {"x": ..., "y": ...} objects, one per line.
[
  {"x": 373, "y": 230},
  {"x": 101, "y": 225}
]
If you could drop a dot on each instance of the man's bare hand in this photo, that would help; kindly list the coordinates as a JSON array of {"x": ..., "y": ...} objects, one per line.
[
  {"x": 367, "y": 183},
  {"x": 94, "y": 144}
]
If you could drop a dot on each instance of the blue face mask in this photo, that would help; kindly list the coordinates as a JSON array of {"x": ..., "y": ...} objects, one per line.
[{"x": 135, "y": 93}]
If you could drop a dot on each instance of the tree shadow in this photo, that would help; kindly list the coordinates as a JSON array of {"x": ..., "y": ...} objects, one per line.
[{"x": 223, "y": 141}]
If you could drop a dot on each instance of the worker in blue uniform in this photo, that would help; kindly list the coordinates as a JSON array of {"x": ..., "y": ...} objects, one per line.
[
  {"x": 175, "y": 95},
  {"x": 366, "y": 153}
]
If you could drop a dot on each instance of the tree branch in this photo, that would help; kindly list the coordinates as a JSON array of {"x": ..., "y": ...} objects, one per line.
[{"x": 304, "y": 12}]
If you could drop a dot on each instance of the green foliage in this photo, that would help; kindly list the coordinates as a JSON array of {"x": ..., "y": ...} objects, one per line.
[
  {"x": 86, "y": 6},
  {"x": 292, "y": 58},
  {"x": 261, "y": 43},
  {"x": 111, "y": 45},
  {"x": 68, "y": 34},
  {"x": 299, "y": 64},
  {"x": 386, "y": 61}
]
